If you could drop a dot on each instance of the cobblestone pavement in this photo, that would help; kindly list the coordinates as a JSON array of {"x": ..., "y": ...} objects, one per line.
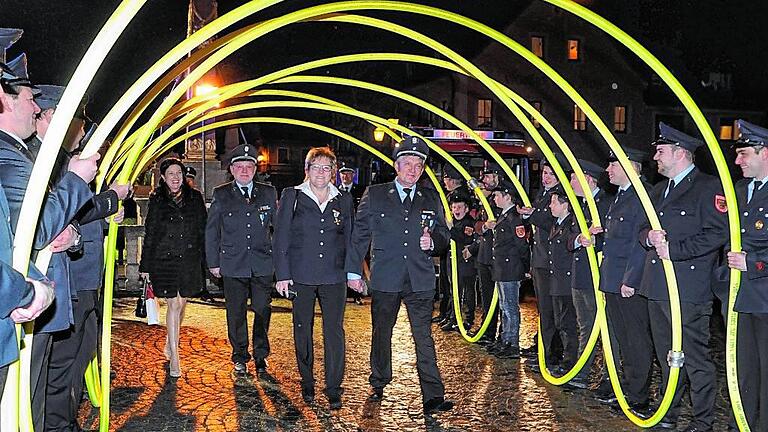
[{"x": 491, "y": 394}]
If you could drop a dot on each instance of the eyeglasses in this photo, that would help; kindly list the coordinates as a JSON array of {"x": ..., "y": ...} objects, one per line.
[{"x": 320, "y": 168}]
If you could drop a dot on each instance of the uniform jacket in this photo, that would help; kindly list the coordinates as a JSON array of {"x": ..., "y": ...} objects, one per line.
[
  {"x": 542, "y": 220},
  {"x": 14, "y": 290},
  {"x": 483, "y": 247},
  {"x": 463, "y": 233},
  {"x": 356, "y": 192},
  {"x": 560, "y": 258},
  {"x": 753, "y": 291},
  {"x": 621, "y": 250},
  {"x": 511, "y": 253},
  {"x": 311, "y": 246},
  {"x": 173, "y": 243},
  {"x": 60, "y": 207},
  {"x": 393, "y": 234},
  {"x": 694, "y": 217},
  {"x": 238, "y": 237},
  {"x": 581, "y": 271}
]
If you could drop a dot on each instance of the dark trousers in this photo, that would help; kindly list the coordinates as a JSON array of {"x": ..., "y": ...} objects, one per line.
[
  {"x": 332, "y": 299},
  {"x": 752, "y": 356},
  {"x": 468, "y": 298},
  {"x": 698, "y": 371},
  {"x": 71, "y": 351},
  {"x": 585, "y": 306},
  {"x": 628, "y": 323},
  {"x": 236, "y": 294},
  {"x": 565, "y": 323},
  {"x": 41, "y": 354},
  {"x": 445, "y": 289},
  {"x": 487, "y": 286},
  {"x": 3, "y": 377},
  {"x": 542, "y": 282},
  {"x": 384, "y": 309}
]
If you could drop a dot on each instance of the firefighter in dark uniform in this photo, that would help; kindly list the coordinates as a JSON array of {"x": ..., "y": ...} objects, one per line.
[
  {"x": 463, "y": 233},
  {"x": 560, "y": 264},
  {"x": 692, "y": 212},
  {"x": 347, "y": 184},
  {"x": 238, "y": 248},
  {"x": 752, "y": 261},
  {"x": 627, "y": 311},
  {"x": 312, "y": 234},
  {"x": 540, "y": 217},
  {"x": 404, "y": 225},
  {"x": 454, "y": 187},
  {"x": 482, "y": 250},
  {"x": 582, "y": 289}
]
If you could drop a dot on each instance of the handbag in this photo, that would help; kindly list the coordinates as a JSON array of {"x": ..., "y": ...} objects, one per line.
[
  {"x": 152, "y": 308},
  {"x": 141, "y": 306}
]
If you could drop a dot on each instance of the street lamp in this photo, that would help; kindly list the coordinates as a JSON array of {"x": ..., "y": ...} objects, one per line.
[
  {"x": 202, "y": 90},
  {"x": 378, "y": 134}
]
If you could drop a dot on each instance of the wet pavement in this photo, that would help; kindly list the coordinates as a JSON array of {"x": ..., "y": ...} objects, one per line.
[{"x": 490, "y": 394}]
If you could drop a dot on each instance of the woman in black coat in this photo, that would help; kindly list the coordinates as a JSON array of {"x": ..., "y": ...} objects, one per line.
[
  {"x": 173, "y": 249},
  {"x": 312, "y": 235}
]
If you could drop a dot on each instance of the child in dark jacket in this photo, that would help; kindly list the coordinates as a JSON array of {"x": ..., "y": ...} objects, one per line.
[{"x": 463, "y": 233}]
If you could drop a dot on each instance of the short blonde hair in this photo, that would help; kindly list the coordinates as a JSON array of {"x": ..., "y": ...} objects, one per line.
[{"x": 316, "y": 153}]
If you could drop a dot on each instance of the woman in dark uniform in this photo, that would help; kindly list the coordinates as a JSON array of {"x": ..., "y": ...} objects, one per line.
[
  {"x": 312, "y": 235},
  {"x": 173, "y": 243}
]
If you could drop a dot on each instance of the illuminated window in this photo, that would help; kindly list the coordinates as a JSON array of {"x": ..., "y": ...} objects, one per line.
[
  {"x": 573, "y": 50},
  {"x": 283, "y": 156},
  {"x": 537, "y": 106},
  {"x": 620, "y": 118},
  {"x": 579, "y": 119},
  {"x": 484, "y": 113},
  {"x": 728, "y": 129},
  {"x": 537, "y": 46}
]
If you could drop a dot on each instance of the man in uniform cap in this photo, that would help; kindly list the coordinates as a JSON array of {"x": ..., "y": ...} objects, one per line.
[
  {"x": 752, "y": 261},
  {"x": 540, "y": 216},
  {"x": 627, "y": 312},
  {"x": 582, "y": 289},
  {"x": 347, "y": 183},
  {"x": 692, "y": 211},
  {"x": 482, "y": 250},
  {"x": 189, "y": 176},
  {"x": 405, "y": 227},
  {"x": 18, "y": 112},
  {"x": 238, "y": 249}
]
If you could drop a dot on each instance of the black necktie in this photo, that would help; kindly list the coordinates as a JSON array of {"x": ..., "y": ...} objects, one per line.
[
  {"x": 407, "y": 200},
  {"x": 670, "y": 187},
  {"x": 26, "y": 152},
  {"x": 618, "y": 195},
  {"x": 245, "y": 191},
  {"x": 755, "y": 187}
]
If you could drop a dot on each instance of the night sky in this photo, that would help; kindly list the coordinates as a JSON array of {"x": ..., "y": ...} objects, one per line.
[{"x": 694, "y": 35}]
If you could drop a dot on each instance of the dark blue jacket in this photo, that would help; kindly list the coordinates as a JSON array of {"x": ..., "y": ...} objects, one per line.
[
  {"x": 542, "y": 221},
  {"x": 694, "y": 217},
  {"x": 580, "y": 269},
  {"x": 393, "y": 235},
  {"x": 310, "y": 246},
  {"x": 238, "y": 235},
  {"x": 463, "y": 233},
  {"x": 560, "y": 258},
  {"x": 511, "y": 252},
  {"x": 621, "y": 250}
]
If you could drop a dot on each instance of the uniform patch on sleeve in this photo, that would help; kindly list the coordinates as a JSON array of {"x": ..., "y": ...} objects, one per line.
[
  {"x": 520, "y": 231},
  {"x": 720, "y": 204},
  {"x": 760, "y": 266}
]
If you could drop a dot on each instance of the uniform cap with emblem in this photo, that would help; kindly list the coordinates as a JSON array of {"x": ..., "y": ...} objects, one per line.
[
  {"x": 346, "y": 168},
  {"x": 450, "y": 172},
  {"x": 491, "y": 168},
  {"x": 505, "y": 187},
  {"x": 17, "y": 76},
  {"x": 243, "y": 152},
  {"x": 634, "y": 155},
  {"x": 190, "y": 172},
  {"x": 49, "y": 96},
  {"x": 750, "y": 135},
  {"x": 590, "y": 168},
  {"x": 413, "y": 146},
  {"x": 8, "y": 36},
  {"x": 671, "y": 136}
]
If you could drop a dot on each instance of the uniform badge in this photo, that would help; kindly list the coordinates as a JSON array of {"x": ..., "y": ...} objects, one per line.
[
  {"x": 760, "y": 266},
  {"x": 759, "y": 224},
  {"x": 520, "y": 231},
  {"x": 720, "y": 204},
  {"x": 263, "y": 211},
  {"x": 336, "y": 218},
  {"x": 427, "y": 219}
]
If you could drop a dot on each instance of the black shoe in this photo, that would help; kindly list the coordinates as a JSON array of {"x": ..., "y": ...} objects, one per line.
[
  {"x": 486, "y": 340},
  {"x": 642, "y": 410},
  {"x": 604, "y": 393},
  {"x": 508, "y": 352},
  {"x": 377, "y": 395},
  {"x": 577, "y": 383},
  {"x": 437, "y": 318},
  {"x": 495, "y": 347},
  {"x": 261, "y": 365},
  {"x": 665, "y": 425},
  {"x": 443, "y": 322},
  {"x": 334, "y": 402},
  {"x": 531, "y": 351},
  {"x": 437, "y": 404},
  {"x": 696, "y": 429},
  {"x": 308, "y": 394},
  {"x": 449, "y": 326},
  {"x": 241, "y": 368},
  {"x": 533, "y": 365}
]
